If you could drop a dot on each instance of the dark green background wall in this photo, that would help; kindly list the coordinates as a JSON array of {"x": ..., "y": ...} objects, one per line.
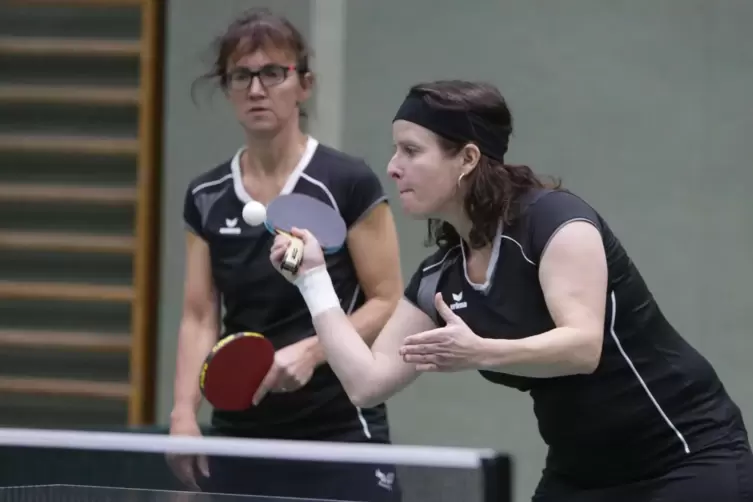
[{"x": 643, "y": 108}]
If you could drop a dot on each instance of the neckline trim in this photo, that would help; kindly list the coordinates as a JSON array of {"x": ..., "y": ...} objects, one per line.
[
  {"x": 235, "y": 169},
  {"x": 491, "y": 268}
]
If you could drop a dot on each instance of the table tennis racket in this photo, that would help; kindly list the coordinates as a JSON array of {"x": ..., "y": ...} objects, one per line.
[
  {"x": 306, "y": 213},
  {"x": 234, "y": 369}
]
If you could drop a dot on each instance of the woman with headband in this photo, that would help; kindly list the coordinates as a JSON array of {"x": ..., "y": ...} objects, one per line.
[{"x": 531, "y": 288}]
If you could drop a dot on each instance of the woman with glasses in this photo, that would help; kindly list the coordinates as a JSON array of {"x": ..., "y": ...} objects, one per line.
[{"x": 262, "y": 67}]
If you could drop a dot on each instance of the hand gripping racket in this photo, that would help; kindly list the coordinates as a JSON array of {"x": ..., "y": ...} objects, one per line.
[
  {"x": 306, "y": 213},
  {"x": 234, "y": 369}
]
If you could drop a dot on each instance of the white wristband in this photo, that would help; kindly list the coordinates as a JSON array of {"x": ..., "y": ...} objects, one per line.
[{"x": 317, "y": 290}]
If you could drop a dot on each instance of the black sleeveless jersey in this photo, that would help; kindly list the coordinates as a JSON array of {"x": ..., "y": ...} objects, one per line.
[{"x": 653, "y": 399}]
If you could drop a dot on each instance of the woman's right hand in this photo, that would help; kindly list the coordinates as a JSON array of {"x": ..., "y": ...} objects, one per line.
[
  {"x": 313, "y": 257},
  {"x": 184, "y": 466}
]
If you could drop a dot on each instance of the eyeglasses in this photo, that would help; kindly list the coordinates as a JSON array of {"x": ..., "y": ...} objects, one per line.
[{"x": 270, "y": 75}]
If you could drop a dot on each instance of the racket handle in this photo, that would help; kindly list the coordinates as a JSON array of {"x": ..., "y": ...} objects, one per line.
[{"x": 293, "y": 256}]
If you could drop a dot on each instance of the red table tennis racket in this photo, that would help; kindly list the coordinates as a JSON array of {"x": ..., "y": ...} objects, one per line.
[
  {"x": 306, "y": 213},
  {"x": 234, "y": 369}
]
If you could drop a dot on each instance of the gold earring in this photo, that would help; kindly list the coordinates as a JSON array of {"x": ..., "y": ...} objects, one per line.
[{"x": 460, "y": 178}]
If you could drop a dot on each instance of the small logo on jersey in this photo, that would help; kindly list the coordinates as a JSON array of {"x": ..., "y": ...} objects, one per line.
[
  {"x": 385, "y": 480},
  {"x": 230, "y": 227},
  {"x": 458, "y": 302}
]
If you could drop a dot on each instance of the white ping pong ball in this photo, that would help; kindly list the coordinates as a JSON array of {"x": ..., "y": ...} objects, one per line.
[{"x": 254, "y": 213}]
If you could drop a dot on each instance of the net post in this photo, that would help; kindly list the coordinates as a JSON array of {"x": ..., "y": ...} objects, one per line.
[{"x": 497, "y": 474}]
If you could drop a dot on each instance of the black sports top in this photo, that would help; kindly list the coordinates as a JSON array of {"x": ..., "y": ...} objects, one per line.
[
  {"x": 257, "y": 298},
  {"x": 653, "y": 398}
]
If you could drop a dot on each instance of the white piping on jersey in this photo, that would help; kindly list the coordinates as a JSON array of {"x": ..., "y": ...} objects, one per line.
[
  {"x": 550, "y": 238},
  {"x": 521, "y": 249},
  {"x": 493, "y": 260},
  {"x": 562, "y": 225},
  {"x": 324, "y": 189},
  {"x": 308, "y": 154},
  {"x": 444, "y": 258},
  {"x": 613, "y": 299},
  {"x": 359, "y": 412},
  {"x": 235, "y": 170},
  {"x": 208, "y": 184},
  {"x": 506, "y": 237},
  {"x": 353, "y": 300},
  {"x": 364, "y": 423}
]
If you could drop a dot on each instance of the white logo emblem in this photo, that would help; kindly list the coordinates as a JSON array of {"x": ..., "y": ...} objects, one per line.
[
  {"x": 230, "y": 227},
  {"x": 458, "y": 301},
  {"x": 385, "y": 480}
]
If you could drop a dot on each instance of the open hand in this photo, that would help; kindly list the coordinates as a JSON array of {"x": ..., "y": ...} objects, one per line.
[
  {"x": 293, "y": 367},
  {"x": 313, "y": 256},
  {"x": 451, "y": 348}
]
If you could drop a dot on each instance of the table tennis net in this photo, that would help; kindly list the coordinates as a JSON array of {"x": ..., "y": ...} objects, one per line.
[{"x": 68, "y": 466}]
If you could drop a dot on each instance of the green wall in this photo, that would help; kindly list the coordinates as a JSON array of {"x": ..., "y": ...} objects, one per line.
[{"x": 642, "y": 107}]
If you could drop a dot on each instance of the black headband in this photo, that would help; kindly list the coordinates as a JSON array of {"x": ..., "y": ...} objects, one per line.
[{"x": 456, "y": 125}]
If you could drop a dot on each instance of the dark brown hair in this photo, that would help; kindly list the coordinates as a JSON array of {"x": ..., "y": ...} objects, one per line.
[
  {"x": 494, "y": 188},
  {"x": 256, "y": 29}
]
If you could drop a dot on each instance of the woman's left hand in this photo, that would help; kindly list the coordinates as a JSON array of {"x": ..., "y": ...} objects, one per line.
[{"x": 454, "y": 347}]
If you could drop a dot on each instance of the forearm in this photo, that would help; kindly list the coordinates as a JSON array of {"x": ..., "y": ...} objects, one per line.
[
  {"x": 194, "y": 343},
  {"x": 367, "y": 321},
  {"x": 558, "y": 352},
  {"x": 348, "y": 354}
]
